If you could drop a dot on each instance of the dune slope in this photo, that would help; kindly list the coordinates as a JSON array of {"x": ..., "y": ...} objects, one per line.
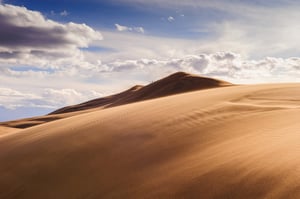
[
  {"x": 231, "y": 142},
  {"x": 179, "y": 82}
]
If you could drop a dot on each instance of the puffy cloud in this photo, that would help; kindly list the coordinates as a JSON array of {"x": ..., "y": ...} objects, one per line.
[
  {"x": 28, "y": 38},
  {"x": 225, "y": 65},
  {"x": 23, "y": 28},
  {"x": 129, "y": 29}
]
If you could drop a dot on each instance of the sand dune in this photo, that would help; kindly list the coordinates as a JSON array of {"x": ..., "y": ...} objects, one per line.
[
  {"x": 6, "y": 130},
  {"x": 179, "y": 82},
  {"x": 230, "y": 142},
  {"x": 34, "y": 121}
]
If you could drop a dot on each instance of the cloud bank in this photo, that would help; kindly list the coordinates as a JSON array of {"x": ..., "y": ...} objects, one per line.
[
  {"x": 49, "y": 98},
  {"x": 30, "y": 89}
]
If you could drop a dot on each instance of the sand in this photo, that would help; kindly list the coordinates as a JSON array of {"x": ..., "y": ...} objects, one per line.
[
  {"x": 7, "y": 130},
  {"x": 176, "y": 83},
  {"x": 229, "y": 142}
]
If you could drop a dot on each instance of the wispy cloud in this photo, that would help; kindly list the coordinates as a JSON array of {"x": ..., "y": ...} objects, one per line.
[
  {"x": 48, "y": 98},
  {"x": 255, "y": 28},
  {"x": 171, "y": 19},
  {"x": 129, "y": 29},
  {"x": 64, "y": 13}
]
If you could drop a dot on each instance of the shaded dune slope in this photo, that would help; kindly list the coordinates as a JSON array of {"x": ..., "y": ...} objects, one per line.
[
  {"x": 179, "y": 82},
  {"x": 231, "y": 142}
]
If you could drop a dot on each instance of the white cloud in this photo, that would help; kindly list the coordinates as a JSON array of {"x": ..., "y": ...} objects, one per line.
[
  {"x": 139, "y": 29},
  {"x": 12, "y": 99},
  {"x": 224, "y": 65},
  {"x": 129, "y": 29},
  {"x": 171, "y": 19},
  {"x": 64, "y": 97},
  {"x": 121, "y": 28},
  {"x": 48, "y": 98}
]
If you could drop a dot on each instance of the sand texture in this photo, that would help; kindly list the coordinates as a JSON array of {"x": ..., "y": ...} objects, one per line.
[{"x": 227, "y": 142}]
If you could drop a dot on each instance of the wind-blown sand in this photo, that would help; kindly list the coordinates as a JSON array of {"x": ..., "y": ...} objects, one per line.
[{"x": 230, "y": 142}]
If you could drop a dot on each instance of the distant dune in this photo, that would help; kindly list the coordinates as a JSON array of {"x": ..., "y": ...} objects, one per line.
[
  {"x": 224, "y": 142},
  {"x": 179, "y": 82}
]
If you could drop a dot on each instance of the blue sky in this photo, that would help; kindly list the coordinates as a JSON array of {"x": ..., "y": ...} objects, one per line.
[
  {"x": 56, "y": 53},
  {"x": 105, "y": 14}
]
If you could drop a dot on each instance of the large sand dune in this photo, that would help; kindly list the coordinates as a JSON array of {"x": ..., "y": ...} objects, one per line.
[
  {"x": 229, "y": 142},
  {"x": 179, "y": 82}
]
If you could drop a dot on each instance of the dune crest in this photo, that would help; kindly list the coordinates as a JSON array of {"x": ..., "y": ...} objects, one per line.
[
  {"x": 176, "y": 83},
  {"x": 179, "y": 82}
]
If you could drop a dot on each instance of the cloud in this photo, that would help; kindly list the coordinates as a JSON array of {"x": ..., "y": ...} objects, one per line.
[
  {"x": 24, "y": 32},
  {"x": 224, "y": 65},
  {"x": 121, "y": 28},
  {"x": 48, "y": 98},
  {"x": 218, "y": 4},
  {"x": 63, "y": 97},
  {"x": 12, "y": 99},
  {"x": 171, "y": 19},
  {"x": 64, "y": 13},
  {"x": 253, "y": 28}
]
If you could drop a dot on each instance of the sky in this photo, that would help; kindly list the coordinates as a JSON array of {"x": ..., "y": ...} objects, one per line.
[{"x": 55, "y": 53}]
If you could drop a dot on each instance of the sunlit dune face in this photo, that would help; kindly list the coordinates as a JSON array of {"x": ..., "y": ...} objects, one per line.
[{"x": 230, "y": 142}]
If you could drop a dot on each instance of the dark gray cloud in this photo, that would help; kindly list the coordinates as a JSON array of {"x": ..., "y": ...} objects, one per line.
[
  {"x": 28, "y": 32},
  {"x": 12, "y": 35},
  {"x": 10, "y": 55}
]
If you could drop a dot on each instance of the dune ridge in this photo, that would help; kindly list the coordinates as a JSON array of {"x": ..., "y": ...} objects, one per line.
[
  {"x": 228, "y": 142},
  {"x": 176, "y": 83},
  {"x": 179, "y": 82}
]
